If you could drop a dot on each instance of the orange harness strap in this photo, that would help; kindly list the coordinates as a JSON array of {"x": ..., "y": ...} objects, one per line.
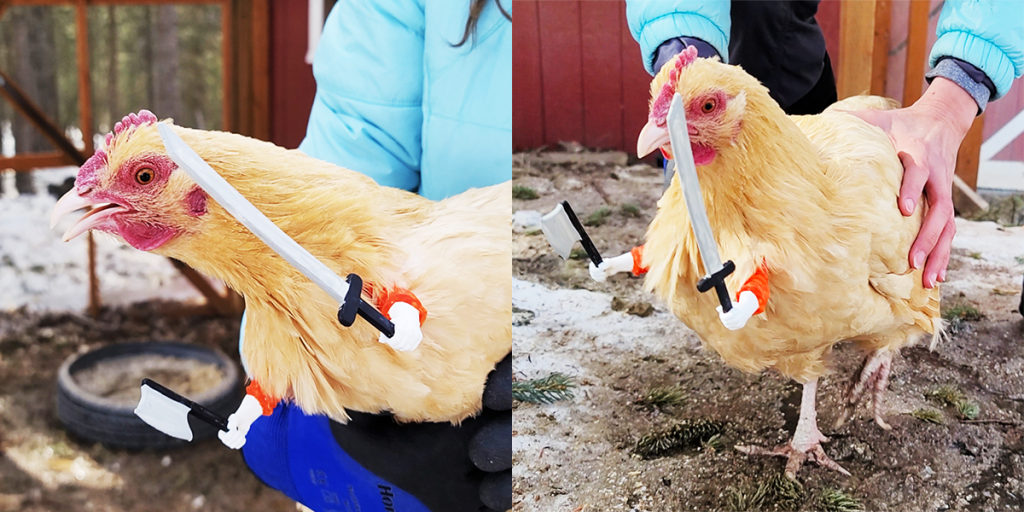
[
  {"x": 386, "y": 298},
  {"x": 758, "y": 284},
  {"x": 638, "y": 258},
  {"x": 266, "y": 401}
]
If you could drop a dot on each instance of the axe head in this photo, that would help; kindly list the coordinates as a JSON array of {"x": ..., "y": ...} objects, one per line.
[
  {"x": 164, "y": 414},
  {"x": 559, "y": 231}
]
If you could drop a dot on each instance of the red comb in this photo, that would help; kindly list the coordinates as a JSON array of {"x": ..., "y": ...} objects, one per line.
[
  {"x": 659, "y": 108},
  {"x": 143, "y": 118}
]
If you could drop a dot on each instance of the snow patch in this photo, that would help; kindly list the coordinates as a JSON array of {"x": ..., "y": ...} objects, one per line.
[{"x": 42, "y": 273}]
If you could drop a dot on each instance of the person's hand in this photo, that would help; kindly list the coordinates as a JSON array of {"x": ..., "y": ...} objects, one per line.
[{"x": 927, "y": 136}]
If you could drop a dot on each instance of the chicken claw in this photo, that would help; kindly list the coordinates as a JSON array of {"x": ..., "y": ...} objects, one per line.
[
  {"x": 239, "y": 422},
  {"x": 874, "y": 375},
  {"x": 796, "y": 457},
  {"x": 407, "y": 328},
  {"x": 806, "y": 443},
  {"x": 611, "y": 266},
  {"x": 741, "y": 311}
]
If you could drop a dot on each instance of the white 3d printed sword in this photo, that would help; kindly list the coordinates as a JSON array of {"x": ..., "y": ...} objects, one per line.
[
  {"x": 687, "y": 171},
  {"x": 345, "y": 292}
]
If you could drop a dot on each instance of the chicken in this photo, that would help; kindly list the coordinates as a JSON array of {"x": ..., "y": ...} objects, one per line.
[
  {"x": 452, "y": 256},
  {"x": 806, "y": 208}
]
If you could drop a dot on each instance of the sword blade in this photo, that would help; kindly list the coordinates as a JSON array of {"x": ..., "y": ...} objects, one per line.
[
  {"x": 679, "y": 136},
  {"x": 242, "y": 210}
]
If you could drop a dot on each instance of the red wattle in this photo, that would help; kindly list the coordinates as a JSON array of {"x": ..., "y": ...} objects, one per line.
[
  {"x": 145, "y": 237},
  {"x": 702, "y": 155}
]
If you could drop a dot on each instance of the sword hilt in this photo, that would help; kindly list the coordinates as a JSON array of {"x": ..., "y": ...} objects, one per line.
[
  {"x": 717, "y": 281},
  {"x": 354, "y": 304}
]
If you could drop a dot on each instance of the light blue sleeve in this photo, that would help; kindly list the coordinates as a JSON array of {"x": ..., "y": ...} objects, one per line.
[
  {"x": 986, "y": 33},
  {"x": 653, "y": 22},
  {"x": 368, "y": 111}
]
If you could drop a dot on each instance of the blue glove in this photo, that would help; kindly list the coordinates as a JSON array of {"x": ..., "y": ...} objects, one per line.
[{"x": 376, "y": 464}]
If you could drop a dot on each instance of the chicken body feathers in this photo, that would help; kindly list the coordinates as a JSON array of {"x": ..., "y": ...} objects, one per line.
[
  {"x": 815, "y": 198},
  {"x": 455, "y": 255}
]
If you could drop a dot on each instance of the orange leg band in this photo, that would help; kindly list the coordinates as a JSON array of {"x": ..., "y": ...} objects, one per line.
[{"x": 758, "y": 284}]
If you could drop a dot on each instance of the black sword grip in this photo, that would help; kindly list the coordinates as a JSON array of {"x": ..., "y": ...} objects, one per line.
[
  {"x": 588, "y": 245},
  {"x": 717, "y": 281},
  {"x": 355, "y": 305},
  {"x": 195, "y": 409}
]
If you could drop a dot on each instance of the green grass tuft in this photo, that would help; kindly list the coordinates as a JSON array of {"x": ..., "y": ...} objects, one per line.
[
  {"x": 950, "y": 396},
  {"x": 975, "y": 255},
  {"x": 550, "y": 389},
  {"x": 578, "y": 254},
  {"x": 775, "y": 493},
  {"x": 663, "y": 397},
  {"x": 1020, "y": 260},
  {"x": 968, "y": 410},
  {"x": 835, "y": 500},
  {"x": 599, "y": 217},
  {"x": 947, "y": 395},
  {"x": 928, "y": 415},
  {"x": 630, "y": 210},
  {"x": 961, "y": 311},
  {"x": 685, "y": 434},
  {"x": 523, "y": 192}
]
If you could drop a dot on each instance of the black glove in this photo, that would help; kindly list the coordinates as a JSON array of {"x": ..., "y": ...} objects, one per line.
[{"x": 447, "y": 468}]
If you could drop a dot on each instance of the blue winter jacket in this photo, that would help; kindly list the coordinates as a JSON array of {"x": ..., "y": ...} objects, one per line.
[
  {"x": 986, "y": 33},
  {"x": 397, "y": 102}
]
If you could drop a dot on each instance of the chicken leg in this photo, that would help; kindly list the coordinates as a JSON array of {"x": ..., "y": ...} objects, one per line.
[
  {"x": 806, "y": 443},
  {"x": 874, "y": 375}
]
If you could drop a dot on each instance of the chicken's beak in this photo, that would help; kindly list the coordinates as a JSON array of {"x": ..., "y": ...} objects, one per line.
[
  {"x": 73, "y": 201},
  {"x": 651, "y": 137}
]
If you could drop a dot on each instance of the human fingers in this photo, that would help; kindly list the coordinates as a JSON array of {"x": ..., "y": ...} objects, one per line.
[
  {"x": 915, "y": 176},
  {"x": 938, "y": 260}
]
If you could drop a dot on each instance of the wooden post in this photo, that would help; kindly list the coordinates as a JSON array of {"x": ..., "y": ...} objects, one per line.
[
  {"x": 880, "y": 46},
  {"x": 969, "y": 156},
  {"x": 261, "y": 69},
  {"x": 227, "y": 51},
  {"x": 917, "y": 39},
  {"x": 85, "y": 125},
  {"x": 864, "y": 46},
  {"x": 94, "y": 282}
]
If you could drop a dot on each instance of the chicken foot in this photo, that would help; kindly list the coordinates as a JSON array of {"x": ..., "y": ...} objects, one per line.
[
  {"x": 806, "y": 443},
  {"x": 874, "y": 375}
]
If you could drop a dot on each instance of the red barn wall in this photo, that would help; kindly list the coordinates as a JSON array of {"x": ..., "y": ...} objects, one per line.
[
  {"x": 577, "y": 75},
  {"x": 291, "y": 82}
]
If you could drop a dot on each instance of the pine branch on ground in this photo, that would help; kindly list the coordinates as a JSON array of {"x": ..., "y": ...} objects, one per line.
[
  {"x": 685, "y": 434},
  {"x": 546, "y": 390}
]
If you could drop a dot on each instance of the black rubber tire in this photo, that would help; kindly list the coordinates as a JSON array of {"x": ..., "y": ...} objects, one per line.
[{"x": 97, "y": 419}]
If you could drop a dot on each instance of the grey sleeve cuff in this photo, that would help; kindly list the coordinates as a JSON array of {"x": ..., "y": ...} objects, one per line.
[
  {"x": 676, "y": 45},
  {"x": 967, "y": 76}
]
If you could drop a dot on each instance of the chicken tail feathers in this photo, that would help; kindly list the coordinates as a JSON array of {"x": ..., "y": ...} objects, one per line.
[{"x": 939, "y": 333}]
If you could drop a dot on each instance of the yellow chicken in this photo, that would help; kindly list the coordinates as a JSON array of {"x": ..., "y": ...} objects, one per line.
[
  {"x": 452, "y": 256},
  {"x": 806, "y": 208}
]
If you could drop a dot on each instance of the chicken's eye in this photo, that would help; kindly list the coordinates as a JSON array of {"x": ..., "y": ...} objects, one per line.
[
  {"x": 709, "y": 105},
  {"x": 144, "y": 176}
]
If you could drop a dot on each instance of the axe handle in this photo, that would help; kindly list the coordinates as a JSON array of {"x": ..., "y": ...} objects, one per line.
[
  {"x": 588, "y": 245},
  {"x": 195, "y": 409}
]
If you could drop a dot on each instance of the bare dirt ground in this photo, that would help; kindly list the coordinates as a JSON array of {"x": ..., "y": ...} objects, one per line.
[
  {"x": 43, "y": 470},
  {"x": 43, "y": 284},
  {"x": 577, "y": 455}
]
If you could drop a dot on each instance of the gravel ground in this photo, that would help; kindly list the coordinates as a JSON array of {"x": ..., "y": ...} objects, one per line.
[{"x": 577, "y": 455}]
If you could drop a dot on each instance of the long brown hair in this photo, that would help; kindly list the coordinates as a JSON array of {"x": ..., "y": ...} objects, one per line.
[{"x": 475, "y": 8}]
